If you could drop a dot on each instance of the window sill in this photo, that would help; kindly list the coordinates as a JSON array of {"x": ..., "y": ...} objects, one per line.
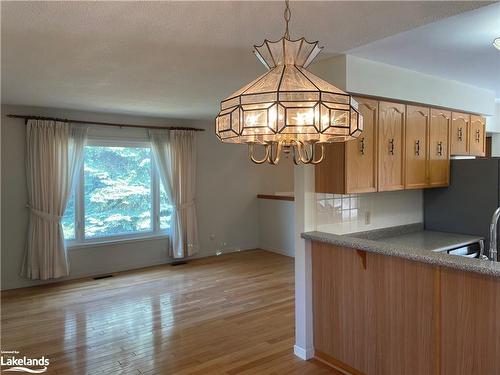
[{"x": 115, "y": 241}]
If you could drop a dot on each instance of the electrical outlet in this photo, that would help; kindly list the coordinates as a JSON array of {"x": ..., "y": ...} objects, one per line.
[
  {"x": 368, "y": 218},
  {"x": 212, "y": 237}
]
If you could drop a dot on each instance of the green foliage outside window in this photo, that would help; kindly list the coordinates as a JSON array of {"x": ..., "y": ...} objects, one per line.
[{"x": 118, "y": 196}]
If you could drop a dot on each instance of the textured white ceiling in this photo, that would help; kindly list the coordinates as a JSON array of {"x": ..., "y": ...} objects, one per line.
[
  {"x": 173, "y": 59},
  {"x": 458, "y": 48}
]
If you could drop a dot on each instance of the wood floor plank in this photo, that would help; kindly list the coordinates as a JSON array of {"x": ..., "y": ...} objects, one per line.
[{"x": 232, "y": 314}]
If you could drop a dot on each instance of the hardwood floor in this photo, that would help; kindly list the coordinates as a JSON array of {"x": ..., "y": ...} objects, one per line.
[{"x": 232, "y": 314}]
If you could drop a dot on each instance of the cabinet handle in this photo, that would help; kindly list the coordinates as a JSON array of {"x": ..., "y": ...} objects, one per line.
[
  {"x": 460, "y": 134},
  {"x": 478, "y": 135},
  {"x": 417, "y": 147},
  {"x": 362, "y": 146},
  {"x": 391, "y": 146},
  {"x": 440, "y": 148}
]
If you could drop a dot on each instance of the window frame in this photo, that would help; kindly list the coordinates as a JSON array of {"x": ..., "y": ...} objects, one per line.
[{"x": 79, "y": 239}]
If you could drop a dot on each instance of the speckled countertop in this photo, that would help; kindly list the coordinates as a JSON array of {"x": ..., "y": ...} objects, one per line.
[{"x": 413, "y": 243}]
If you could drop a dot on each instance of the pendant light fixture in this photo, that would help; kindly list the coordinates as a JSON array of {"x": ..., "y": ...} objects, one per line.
[
  {"x": 496, "y": 43},
  {"x": 288, "y": 109}
]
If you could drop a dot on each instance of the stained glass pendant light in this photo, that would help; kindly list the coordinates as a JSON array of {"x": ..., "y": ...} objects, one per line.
[{"x": 288, "y": 109}]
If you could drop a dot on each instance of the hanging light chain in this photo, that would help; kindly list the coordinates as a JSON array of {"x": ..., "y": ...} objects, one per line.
[{"x": 287, "y": 15}]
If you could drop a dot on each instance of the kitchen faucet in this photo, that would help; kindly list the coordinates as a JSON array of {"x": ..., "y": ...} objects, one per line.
[{"x": 493, "y": 235}]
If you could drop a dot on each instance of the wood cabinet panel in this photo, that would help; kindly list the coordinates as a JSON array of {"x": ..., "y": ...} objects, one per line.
[
  {"x": 378, "y": 314},
  {"x": 391, "y": 123},
  {"x": 477, "y": 136},
  {"x": 459, "y": 135},
  {"x": 402, "y": 337},
  {"x": 341, "y": 318},
  {"x": 374, "y": 314},
  {"x": 351, "y": 167},
  {"x": 361, "y": 153},
  {"x": 470, "y": 339},
  {"x": 401, "y": 147},
  {"x": 417, "y": 125},
  {"x": 329, "y": 175},
  {"x": 439, "y": 153}
]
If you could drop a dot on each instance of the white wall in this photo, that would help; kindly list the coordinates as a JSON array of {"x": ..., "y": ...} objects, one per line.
[
  {"x": 493, "y": 122},
  {"x": 362, "y": 76},
  {"x": 278, "y": 178},
  {"x": 495, "y": 144},
  {"x": 333, "y": 70},
  {"x": 493, "y": 129},
  {"x": 277, "y": 226},
  {"x": 226, "y": 200}
]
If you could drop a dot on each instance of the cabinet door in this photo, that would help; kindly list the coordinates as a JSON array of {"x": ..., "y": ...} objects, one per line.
[
  {"x": 341, "y": 317},
  {"x": 374, "y": 314},
  {"x": 439, "y": 155},
  {"x": 361, "y": 156},
  {"x": 329, "y": 175},
  {"x": 459, "y": 137},
  {"x": 402, "y": 335},
  {"x": 417, "y": 125},
  {"x": 391, "y": 121},
  {"x": 477, "y": 137},
  {"x": 470, "y": 327}
]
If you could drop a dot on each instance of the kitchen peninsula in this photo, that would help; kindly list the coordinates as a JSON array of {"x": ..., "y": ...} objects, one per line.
[{"x": 393, "y": 301}]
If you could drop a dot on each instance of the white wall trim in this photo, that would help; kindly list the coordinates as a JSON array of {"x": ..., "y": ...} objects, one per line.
[{"x": 302, "y": 353}]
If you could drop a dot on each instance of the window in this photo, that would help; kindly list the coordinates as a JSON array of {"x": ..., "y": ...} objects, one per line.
[
  {"x": 68, "y": 220},
  {"x": 118, "y": 195}
]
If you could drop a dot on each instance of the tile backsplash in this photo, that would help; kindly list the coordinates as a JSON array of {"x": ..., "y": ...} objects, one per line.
[
  {"x": 340, "y": 214},
  {"x": 337, "y": 208}
]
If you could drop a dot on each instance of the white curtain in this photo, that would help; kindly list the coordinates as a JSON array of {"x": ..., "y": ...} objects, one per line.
[
  {"x": 174, "y": 152},
  {"x": 54, "y": 155}
]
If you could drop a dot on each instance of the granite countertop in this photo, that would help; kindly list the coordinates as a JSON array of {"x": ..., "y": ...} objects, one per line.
[{"x": 414, "y": 243}]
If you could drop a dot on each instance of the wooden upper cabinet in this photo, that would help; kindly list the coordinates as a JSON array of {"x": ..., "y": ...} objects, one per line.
[
  {"x": 477, "y": 136},
  {"x": 329, "y": 175},
  {"x": 402, "y": 146},
  {"x": 439, "y": 153},
  {"x": 351, "y": 167},
  {"x": 360, "y": 154},
  {"x": 417, "y": 127},
  {"x": 391, "y": 127},
  {"x": 459, "y": 135}
]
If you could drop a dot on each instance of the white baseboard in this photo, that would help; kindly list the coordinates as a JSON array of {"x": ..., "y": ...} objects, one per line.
[{"x": 302, "y": 353}]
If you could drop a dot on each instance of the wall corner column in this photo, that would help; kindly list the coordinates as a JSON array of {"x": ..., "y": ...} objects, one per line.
[{"x": 304, "y": 221}]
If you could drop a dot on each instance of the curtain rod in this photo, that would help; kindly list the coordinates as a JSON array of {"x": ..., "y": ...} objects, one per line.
[{"x": 104, "y": 123}]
